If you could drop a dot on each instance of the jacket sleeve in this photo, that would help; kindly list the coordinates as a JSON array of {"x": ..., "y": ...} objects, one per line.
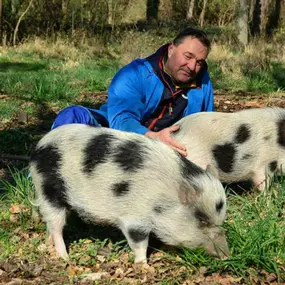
[
  {"x": 126, "y": 100},
  {"x": 208, "y": 104}
]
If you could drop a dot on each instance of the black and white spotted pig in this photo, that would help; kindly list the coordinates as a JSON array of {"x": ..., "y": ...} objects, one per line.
[
  {"x": 138, "y": 184},
  {"x": 246, "y": 145}
]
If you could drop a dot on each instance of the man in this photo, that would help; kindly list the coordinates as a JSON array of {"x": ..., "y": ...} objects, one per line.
[{"x": 149, "y": 95}]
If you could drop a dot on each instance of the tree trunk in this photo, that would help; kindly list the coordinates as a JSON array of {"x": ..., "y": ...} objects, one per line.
[
  {"x": 243, "y": 22},
  {"x": 13, "y": 7},
  {"x": 264, "y": 15},
  {"x": 1, "y": 22},
  {"x": 274, "y": 18},
  {"x": 64, "y": 9},
  {"x": 255, "y": 25},
  {"x": 190, "y": 9},
  {"x": 203, "y": 13},
  {"x": 110, "y": 12},
  {"x": 282, "y": 13},
  {"x": 251, "y": 9},
  {"x": 152, "y": 10},
  {"x": 19, "y": 21}
]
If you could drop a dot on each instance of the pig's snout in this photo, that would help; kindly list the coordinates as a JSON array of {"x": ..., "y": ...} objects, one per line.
[{"x": 218, "y": 246}]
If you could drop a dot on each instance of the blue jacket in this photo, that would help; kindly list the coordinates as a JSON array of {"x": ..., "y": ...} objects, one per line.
[{"x": 136, "y": 91}]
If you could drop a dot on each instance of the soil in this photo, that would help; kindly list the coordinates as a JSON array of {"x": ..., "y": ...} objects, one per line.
[{"x": 50, "y": 271}]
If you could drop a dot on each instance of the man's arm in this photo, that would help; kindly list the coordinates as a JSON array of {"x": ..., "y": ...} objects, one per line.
[
  {"x": 208, "y": 91},
  {"x": 126, "y": 107},
  {"x": 125, "y": 101},
  {"x": 165, "y": 136}
]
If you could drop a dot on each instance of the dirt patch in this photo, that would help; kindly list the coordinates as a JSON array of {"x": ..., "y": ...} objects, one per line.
[{"x": 240, "y": 101}]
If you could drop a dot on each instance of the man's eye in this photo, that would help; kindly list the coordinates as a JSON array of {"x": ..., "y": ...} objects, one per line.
[{"x": 188, "y": 56}]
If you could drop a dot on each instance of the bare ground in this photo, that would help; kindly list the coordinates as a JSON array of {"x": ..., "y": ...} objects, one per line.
[{"x": 46, "y": 269}]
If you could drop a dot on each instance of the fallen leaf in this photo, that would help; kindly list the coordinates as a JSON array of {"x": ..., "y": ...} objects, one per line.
[
  {"x": 119, "y": 272},
  {"x": 94, "y": 276},
  {"x": 2, "y": 273},
  {"x": 15, "y": 209},
  {"x": 42, "y": 247},
  {"x": 71, "y": 270}
]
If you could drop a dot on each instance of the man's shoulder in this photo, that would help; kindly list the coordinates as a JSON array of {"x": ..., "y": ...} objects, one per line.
[{"x": 139, "y": 65}]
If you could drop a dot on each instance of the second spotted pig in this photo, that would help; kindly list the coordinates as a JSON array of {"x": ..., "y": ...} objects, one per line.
[{"x": 245, "y": 145}]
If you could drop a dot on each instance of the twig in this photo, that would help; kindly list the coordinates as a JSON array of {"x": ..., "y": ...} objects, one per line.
[{"x": 14, "y": 157}]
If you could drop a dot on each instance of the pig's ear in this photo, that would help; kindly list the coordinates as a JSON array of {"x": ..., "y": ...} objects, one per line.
[
  {"x": 213, "y": 170},
  {"x": 188, "y": 194}
]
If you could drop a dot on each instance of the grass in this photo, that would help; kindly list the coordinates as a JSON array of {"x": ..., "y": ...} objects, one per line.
[
  {"x": 255, "y": 230},
  {"x": 256, "y": 235},
  {"x": 58, "y": 72},
  {"x": 41, "y": 77},
  {"x": 248, "y": 70}
]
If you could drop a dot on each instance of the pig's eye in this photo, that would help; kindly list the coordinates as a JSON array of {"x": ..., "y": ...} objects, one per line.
[{"x": 219, "y": 206}]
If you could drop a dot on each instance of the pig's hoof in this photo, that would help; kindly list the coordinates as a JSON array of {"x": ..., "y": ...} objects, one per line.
[
  {"x": 142, "y": 261},
  {"x": 260, "y": 186},
  {"x": 65, "y": 257}
]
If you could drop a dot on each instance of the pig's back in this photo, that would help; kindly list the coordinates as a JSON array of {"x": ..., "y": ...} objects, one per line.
[
  {"x": 111, "y": 168},
  {"x": 235, "y": 143}
]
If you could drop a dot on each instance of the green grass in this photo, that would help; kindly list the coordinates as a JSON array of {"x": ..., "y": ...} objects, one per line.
[
  {"x": 58, "y": 72},
  {"x": 20, "y": 189},
  {"x": 258, "y": 80},
  {"x": 40, "y": 81},
  {"x": 47, "y": 80},
  {"x": 255, "y": 228}
]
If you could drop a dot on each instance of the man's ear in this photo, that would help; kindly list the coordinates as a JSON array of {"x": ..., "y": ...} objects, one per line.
[
  {"x": 170, "y": 50},
  {"x": 212, "y": 170}
]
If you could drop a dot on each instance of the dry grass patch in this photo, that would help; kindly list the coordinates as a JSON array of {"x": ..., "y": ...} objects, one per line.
[{"x": 72, "y": 50}]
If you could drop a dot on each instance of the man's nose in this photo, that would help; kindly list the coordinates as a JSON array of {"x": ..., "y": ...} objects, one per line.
[{"x": 192, "y": 64}]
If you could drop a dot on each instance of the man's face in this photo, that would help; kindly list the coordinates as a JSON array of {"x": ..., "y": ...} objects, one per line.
[{"x": 186, "y": 60}]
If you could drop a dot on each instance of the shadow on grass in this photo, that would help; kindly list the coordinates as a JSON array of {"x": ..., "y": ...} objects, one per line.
[
  {"x": 20, "y": 66},
  {"x": 278, "y": 74},
  {"x": 18, "y": 139},
  {"x": 239, "y": 188},
  {"x": 77, "y": 229}
]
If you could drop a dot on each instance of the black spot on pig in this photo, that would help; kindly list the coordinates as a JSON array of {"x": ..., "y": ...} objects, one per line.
[
  {"x": 225, "y": 156},
  {"x": 97, "y": 151},
  {"x": 138, "y": 235},
  {"x": 163, "y": 207},
  {"x": 121, "y": 189},
  {"x": 273, "y": 166},
  {"x": 281, "y": 132},
  {"x": 242, "y": 134},
  {"x": 189, "y": 169},
  {"x": 47, "y": 160},
  {"x": 266, "y": 138},
  {"x": 246, "y": 156},
  {"x": 130, "y": 156},
  {"x": 219, "y": 206},
  {"x": 202, "y": 217},
  {"x": 159, "y": 209}
]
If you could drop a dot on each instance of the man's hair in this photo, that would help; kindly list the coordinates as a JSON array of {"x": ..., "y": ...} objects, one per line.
[{"x": 193, "y": 33}]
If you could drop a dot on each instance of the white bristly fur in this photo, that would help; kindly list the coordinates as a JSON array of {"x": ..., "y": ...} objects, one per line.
[{"x": 159, "y": 182}]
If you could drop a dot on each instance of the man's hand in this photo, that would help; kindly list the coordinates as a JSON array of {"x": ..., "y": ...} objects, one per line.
[{"x": 165, "y": 136}]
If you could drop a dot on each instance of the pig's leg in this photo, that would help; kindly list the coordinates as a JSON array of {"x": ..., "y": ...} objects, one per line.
[
  {"x": 261, "y": 179},
  {"x": 55, "y": 223},
  {"x": 137, "y": 236}
]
